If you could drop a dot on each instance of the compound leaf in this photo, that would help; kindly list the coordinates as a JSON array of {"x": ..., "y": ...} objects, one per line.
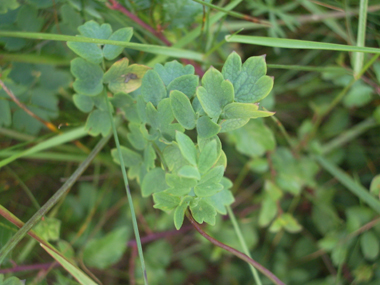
[
  {"x": 203, "y": 212},
  {"x": 249, "y": 80},
  {"x": 215, "y": 93},
  {"x": 88, "y": 77}
]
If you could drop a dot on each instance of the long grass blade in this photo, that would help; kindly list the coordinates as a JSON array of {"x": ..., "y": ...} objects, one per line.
[
  {"x": 358, "y": 56},
  {"x": 163, "y": 50},
  {"x": 297, "y": 44},
  {"x": 52, "y": 201},
  {"x": 358, "y": 190}
]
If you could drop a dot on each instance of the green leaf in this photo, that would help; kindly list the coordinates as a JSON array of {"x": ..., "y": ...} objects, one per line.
[
  {"x": 88, "y": 77},
  {"x": 249, "y": 80},
  {"x": 171, "y": 70},
  {"x": 153, "y": 89},
  {"x": 83, "y": 102},
  {"x": 48, "y": 229},
  {"x": 214, "y": 175},
  {"x": 187, "y": 84},
  {"x": 130, "y": 157},
  {"x": 203, "y": 212},
  {"x": 179, "y": 212},
  {"x": 28, "y": 19},
  {"x": 110, "y": 51},
  {"x": 206, "y": 128},
  {"x": 208, "y": 156},
  {"x": 223, "y": 198},
  {"x": 174, "y": 158},
  {"x": 207, "y": 189},
  {"x": 78, "y": 274},
  {"x": 92, "y": 29},
  {"x": 369, "y": 244},
  {"x": 123, "y": 78},
  {"x": 290, "y": 223},
  {"x": 189, "y": 171},
  {"x": 149, "y": 157},
  {"x": 89, "y": 51},
  {"x": 153, "y": 182},
  {"x": 5, "y": 113},
  {"x": 375, "y": 185},
  {"x": 106, "y": 251},
  {"x": 182, "y": 109},
  {"x": 253, "y": 139},
  {"x": 243, "y": 111},
  {"x": 165, "y": 201},
  {"x": 135, "y": 137},
  {"x": 228, "y": 125},
  {"x": 179, "y": 192},
  {"x": 215, "y": 93},
  {"x": 176, "y": 181},
  {"x": 6, "y": 5},
  {"x": 359, "y": 95},
  {"x": 187, "y": 148},
  {"x": 98, "y": 122}
]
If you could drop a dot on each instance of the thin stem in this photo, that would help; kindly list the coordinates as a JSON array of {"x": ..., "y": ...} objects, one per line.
[
  {"x": 236, "y": 14},
  {"x": 243, "y": 244},
  {"x": 358, "y": 56},
  {"x": 128, "y": 191},
  {"x": 235, "y": 252},
  {"x": 52, "y": 201}
]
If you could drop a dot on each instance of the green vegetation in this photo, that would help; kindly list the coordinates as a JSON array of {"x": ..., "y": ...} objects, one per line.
[{"x": 244, "y": 133}]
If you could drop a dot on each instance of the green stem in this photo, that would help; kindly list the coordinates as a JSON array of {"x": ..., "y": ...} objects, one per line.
[
  {"x": 128, "y": 191},
  {"x": 358, "y": 56},
  {"x": 243, "y": 244},
  {"x": 52, "y": 201}
]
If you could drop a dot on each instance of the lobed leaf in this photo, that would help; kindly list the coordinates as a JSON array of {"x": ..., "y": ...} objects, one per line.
[
  {"x": 98, "y": 122},
  {"x": 110, "y": 52},
  {"x": 187, "y": 84},
  {"x": 165, "y": 201},
  {"x": 88, "y": 77},
  {"x": 208, "y": 156},
  {"x": 171, "y": 70},
  {"x": 215, "y": 93},
  {"x": 203, "y": 212},
  {"x": 249, "y": 80},
  {"x": 130, "y": 157},
  {"x": 237, "y": 110},
  {"x": 179, "y": 212}
]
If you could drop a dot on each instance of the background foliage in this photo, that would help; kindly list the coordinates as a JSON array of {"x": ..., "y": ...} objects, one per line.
[{"x": 305, "y": 182}]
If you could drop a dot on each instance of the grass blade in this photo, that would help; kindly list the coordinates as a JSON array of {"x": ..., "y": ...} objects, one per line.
[
  {"x": 71, "y": 268},
  {"x": 52, "y": 201},
  {"x": 128, "y": 191},
  {"x": 297, "y": 44},
  {"x": 358, "y": 56},
  {"x": 163, "y": 50},
  {"x": 358, "y": 190},
  {"x": 49, "y": 143}
]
